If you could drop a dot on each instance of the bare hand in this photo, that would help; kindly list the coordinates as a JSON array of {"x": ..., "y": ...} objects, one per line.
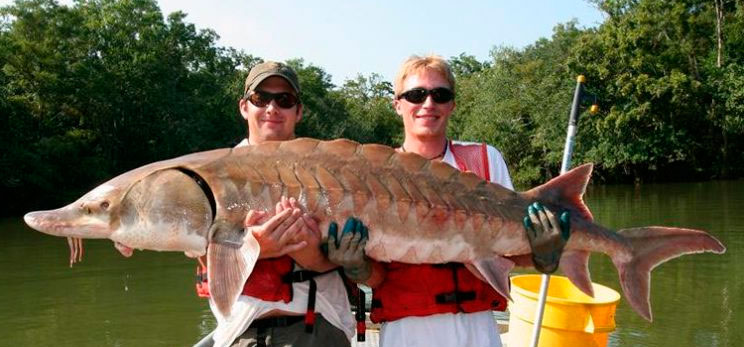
[
  {"x": 276, "y": 235},
  {"x": 309, "y": 257}
]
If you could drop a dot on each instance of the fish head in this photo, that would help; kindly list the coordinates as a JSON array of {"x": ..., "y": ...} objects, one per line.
[
  {"x": 88, "y": 217},
  {"x": 162, "y": 209}
]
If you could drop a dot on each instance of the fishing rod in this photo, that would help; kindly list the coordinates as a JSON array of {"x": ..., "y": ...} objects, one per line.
[{"x": 573, "y": 126}]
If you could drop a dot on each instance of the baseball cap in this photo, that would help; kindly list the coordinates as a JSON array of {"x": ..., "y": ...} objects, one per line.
[{"x": 267, "y": 69}]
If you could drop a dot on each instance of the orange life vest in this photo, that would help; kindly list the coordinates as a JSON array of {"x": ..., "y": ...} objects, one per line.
[{"x": 423, "y": 290}]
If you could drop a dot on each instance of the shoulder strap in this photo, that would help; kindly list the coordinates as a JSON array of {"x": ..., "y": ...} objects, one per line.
[{"x": 473, "y": 158}]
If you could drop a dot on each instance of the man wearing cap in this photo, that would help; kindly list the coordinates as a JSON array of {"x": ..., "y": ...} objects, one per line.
[{"x": 301, "y": 300}]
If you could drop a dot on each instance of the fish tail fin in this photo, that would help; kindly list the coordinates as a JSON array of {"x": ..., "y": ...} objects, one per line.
[
  {"x": 651, "y": 246},
  {"x": 565, "y": 192}
]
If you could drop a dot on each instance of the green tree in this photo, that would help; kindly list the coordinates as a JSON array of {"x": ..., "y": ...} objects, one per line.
[
  {"x": 465, "y": 65},
  {"x": 520, "y": 104},
  {"x": 656, "y": 64},
  {"x": 324, "y": 115},
  {"x": 104, "y": 86},
  {"x": 371, "y": 118}
]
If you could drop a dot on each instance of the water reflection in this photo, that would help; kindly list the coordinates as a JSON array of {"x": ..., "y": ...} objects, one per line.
[
  {"x": 690, "y": 296},
  {"x": 107, "y": 300}
]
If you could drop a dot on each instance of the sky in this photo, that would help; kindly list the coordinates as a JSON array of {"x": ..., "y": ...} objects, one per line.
[{"x": 350, "y": 37}]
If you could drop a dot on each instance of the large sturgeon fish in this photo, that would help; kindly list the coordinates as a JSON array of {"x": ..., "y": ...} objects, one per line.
[{"x": 417, "y": 211}]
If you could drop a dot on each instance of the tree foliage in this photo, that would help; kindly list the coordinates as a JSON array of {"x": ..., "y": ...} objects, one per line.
[
  {"x": 670, "y": 99},
  {"x": 669, "y": 108},
  {"x": 104, "y": 86}
]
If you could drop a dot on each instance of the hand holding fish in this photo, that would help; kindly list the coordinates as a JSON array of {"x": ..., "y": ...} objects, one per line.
[
  {"x": 547, "y": 236},
  {"x": 349, "y": 253},
  {"x": 309, "y": 256},
  {"x": 276, "y": 235}
]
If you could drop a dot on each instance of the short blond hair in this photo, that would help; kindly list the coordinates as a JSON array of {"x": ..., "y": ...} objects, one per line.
[{"x": 415, "y": 64}]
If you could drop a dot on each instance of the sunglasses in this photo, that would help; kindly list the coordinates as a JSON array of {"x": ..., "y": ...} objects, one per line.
[
  {"x": 418, "y": 95},
  {"x": 262, "y": 99}
]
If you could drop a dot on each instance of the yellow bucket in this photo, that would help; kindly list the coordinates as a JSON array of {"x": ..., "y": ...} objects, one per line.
[{"x": 571, "y": 317}]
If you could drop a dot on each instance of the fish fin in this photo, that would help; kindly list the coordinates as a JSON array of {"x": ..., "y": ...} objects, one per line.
[
  {"x": 566, "y": 191},
  {"x": 496, "y": 272},
  {"x": 575, "y": 265},
  {"x": 651, "y": 246},
  {"x": 229, "y": 265}
]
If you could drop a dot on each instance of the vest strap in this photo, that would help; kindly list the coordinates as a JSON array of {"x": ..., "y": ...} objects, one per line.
[
  {"x": 361, "y": 315},
  {"x": 310, "y": 314},
  {"x": 454, "y": 297}
]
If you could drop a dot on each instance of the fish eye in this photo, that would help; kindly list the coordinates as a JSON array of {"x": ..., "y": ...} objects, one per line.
[{"x": 104, "y": 205}]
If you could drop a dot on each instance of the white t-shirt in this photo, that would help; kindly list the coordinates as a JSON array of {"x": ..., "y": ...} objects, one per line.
[{"x": 477, "y": 329}]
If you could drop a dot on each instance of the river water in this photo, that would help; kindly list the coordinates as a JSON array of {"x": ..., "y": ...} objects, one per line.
[{"x": 149, "y": 299}]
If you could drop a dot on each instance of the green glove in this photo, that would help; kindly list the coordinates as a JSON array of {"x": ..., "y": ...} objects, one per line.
[
  {"x": 348, "y": 252},
  {"x": 547, "y": 236}
]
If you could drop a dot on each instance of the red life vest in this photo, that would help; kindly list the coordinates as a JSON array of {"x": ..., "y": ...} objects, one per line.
[
  {"x": 268, "y": 280},
  {"x": 271, "y": 280},
  {"x": 423, "y": 290}
]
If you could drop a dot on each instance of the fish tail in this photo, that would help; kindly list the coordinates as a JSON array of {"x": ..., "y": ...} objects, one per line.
[{"x": 649, "y": 247}]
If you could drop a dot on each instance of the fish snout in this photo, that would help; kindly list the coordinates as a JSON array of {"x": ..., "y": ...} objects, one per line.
[
  {"x": 47, "y": 222},
  {"x": 68, "y": 222},
  {"x": 30, "y": 219}
]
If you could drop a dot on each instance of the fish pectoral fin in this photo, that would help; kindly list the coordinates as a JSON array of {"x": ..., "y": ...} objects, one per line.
[
  {"x": 575, "y": 265},
  {"x": 123, "y": 249},
  {"x": 228, "y": 267},
  {"x": 496, "y": 272}
]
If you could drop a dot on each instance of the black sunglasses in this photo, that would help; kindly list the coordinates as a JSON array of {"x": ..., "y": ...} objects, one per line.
[
  {"x": 418, "y": 95},
  {"x": 262, "y": 99}
]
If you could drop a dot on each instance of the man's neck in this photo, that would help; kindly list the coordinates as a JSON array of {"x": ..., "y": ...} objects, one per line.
[
  {"x": 430, "y": 148},
  {"x": 256, "y": 140}
]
